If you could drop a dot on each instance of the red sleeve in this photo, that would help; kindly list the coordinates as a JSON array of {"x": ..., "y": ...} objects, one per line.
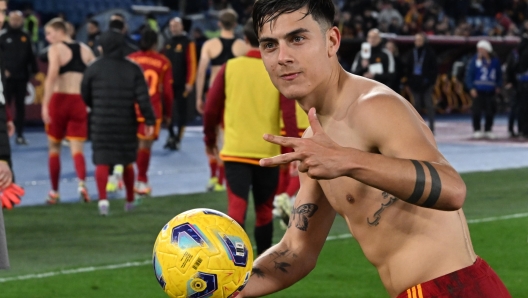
[
  {"x": 289, "y": 119},
  {"x": 191, "y": 63},
  {"x": 214, "y": 107},
  {"x": 8, "y": 113},
  {"x": 168, "y": 93}
]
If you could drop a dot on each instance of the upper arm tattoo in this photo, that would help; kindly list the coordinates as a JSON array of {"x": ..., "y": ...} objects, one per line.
[
  {"x": 436, "y": 185},
  {"x": 301, "y": 216}
]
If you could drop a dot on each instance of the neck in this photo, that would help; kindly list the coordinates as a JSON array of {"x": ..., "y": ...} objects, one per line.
[
  {"x": 325, "y": 97},
  {"x": 227, "y": 33}
]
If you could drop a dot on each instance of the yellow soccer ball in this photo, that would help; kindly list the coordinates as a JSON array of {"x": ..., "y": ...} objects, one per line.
[{"x": 202, "y": 253}]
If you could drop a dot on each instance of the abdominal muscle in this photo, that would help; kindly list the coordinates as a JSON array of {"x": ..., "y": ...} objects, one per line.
[{"x": 409, "y": 245}]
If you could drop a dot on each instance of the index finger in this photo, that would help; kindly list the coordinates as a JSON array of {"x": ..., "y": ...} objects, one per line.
[
  {"x": 283, "y": 141},
  {"x": 280, "y": 159}
]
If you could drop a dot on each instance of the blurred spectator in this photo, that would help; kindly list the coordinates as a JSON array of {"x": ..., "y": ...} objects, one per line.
[
  {"x": 422, "y": 70},
  {"x": 388, "y": 13},
  {"x": 181, "y": 52},
  {"x": 152, "y": 22},
  {"x": 117, "y": 23},
  {"x": 399, "y": 69},
  {"x": 521, "y": 72},
  {"x": 31, "y": 23},
  {"x": 20, "y": 64},
  {"x": 511, "y": 86},
  {"x": 93, "y": 35},
  {"x": 369, "y": 19},
  {"x": 374, "y": 61},
  {"x": 484, "y": 79}
]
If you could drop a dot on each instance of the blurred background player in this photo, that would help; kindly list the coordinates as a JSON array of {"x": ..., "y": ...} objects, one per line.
[
  {"x": 118, "y": 22},
  {"x": 19, "y": 65},
  {"x": 158, "y": 74},
  {"x": 63, "y": 109},
  {"x": 112, "y": 87},
  {"x": 181, "y": 52},
  {"x": 216, "y": 52},
  {"x": 484, "y": 79},
  {"x": 242, "y": 86},
  {"x": 92, "y": 28}
]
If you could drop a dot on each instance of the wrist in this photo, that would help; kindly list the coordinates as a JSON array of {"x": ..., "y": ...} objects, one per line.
[{"x": 350, "y": 167}]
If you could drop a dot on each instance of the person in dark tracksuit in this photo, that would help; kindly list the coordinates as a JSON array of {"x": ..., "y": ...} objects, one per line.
[
  {"x": 510, "y": 81},
  {"x": 521, "y": 74},
  {"x": 20, "y": 64},
  {"x": 483, "y": 80}
]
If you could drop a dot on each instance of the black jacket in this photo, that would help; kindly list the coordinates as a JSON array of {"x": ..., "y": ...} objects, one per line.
[
  {"x": 111, "y": 87},
  {"x": 18, "y": 55},
  {"x": 177, "y": 51},
  {"x": 429, "y": 69},
  {"x": 5, "y": 147},
  {"x": 381, "y": 55}
]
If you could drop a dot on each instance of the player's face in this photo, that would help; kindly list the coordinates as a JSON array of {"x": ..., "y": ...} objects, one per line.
[
  {"x": 176, "y": 27},
  {"x": 295, "y": 53},
  {"x": 53, "y": 35}
]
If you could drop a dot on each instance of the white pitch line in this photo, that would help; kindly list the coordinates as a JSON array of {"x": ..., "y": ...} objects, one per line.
[{"x": 148, "y": 262}]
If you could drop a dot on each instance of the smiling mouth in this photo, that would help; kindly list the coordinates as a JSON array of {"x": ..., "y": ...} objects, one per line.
[{"x": 290, "y": 76}]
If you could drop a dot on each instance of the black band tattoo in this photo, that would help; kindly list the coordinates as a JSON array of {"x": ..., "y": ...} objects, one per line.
[
  {"x": 258, "y": 272},
  {"x": 436, "y": 186},
  {"x": 301, "y": 214},
  {"x": 377, "y": 214},
  {"x": 282, "y": 266},
  {"x": 420, "y": 183}
]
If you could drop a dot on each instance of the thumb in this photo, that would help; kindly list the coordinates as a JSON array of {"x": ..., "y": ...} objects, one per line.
[{"x": 314, "y": 122}]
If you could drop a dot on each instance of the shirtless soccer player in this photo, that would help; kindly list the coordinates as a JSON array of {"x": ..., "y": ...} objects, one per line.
[
  {"x": 369, "y": 157},
  {"x": 63, "y": 109}
]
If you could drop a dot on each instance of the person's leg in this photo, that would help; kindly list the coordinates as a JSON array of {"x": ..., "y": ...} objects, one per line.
[
  {"x": 182, "y": 117},
  {"x": 238, "y": 177},
  {"x": 489, "y": 109},
  {"x": 20, "y": 105},
  {"x": 101, "y": 178},
  {"x": 429, "y": 105},
  {"x": 143, "y": 159},
  {"x": 77, "y": 152},
  {"x": 418, "y": 100},
  {"x": 128, "y": 179},
  {"x": 54, "y": 170},
  {"x": 265, "y": 181},
  {"x": 478, "y": 104},
  {"x": 512, "y": 116}
]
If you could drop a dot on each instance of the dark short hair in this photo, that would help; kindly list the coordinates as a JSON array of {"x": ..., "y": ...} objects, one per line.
[
  {"x": 119, "y": 15},
  {"x": 94, "y": 22},
  {"x": 149, "y": 38},
  {"x": 249, "y": 33},
  {"x": 228, "y": 18},
  {"x": 116, "y": 25},
  {"x": 267, "y": 11}
]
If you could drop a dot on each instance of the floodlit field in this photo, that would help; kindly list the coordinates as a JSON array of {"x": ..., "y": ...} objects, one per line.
[{"x": 70, "y": 251}]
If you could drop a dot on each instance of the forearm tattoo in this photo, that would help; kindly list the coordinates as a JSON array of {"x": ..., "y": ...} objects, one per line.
[
  {"x": 301, "y": 214},
  {"x": 258, "y": 272},
  {"x": 419, "y": 188},
  {"x": 279, "y": 260},
  {"x": 377, "y": 215}
]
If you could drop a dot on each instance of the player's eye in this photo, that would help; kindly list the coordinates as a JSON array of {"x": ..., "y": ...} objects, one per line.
[
  {"x": 298, "y": 39},
  {"x": 268, "y": 45}
]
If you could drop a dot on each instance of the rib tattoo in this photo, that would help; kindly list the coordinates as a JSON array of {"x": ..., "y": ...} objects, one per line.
[
  {"x": 419, "y": 188},
  {"x": 301, "y": 214},
  {"x": 377, "y": 214}
]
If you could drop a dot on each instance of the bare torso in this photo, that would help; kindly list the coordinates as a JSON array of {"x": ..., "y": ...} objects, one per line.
[
  {"x": 70, "y": 82},
  {"x": 406, "y": 243}
]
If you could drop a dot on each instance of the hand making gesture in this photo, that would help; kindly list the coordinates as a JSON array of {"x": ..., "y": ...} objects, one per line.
[{"x": 319, "y": 156}]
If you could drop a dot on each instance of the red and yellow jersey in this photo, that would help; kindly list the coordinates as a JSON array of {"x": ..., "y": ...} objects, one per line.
[{"x": 158, "y": 74}]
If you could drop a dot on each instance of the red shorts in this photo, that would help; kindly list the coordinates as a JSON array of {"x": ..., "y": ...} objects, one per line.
[
  {"x": 69, "y": 118},
  {"x": 141, "y": 130},
  {"x": 475, "y": 281}
]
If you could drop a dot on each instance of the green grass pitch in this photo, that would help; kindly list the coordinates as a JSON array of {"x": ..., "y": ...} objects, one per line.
[{"x": 52, "y": 238}]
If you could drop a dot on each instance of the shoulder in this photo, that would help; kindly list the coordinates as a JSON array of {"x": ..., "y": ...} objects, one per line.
[{"x": 133, "y": 65}]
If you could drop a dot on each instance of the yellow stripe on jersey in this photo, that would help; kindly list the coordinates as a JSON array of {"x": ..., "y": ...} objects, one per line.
[
  {"x": 414, "y": 292},
  {"x": 420, "y": 294},
  {"x": 409, "y": 295},
  {"x": 252, "y": 109}
]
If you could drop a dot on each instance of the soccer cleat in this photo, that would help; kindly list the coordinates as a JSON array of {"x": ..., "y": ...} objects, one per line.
[
  {"x": 172, "y": 144},
  {"x": 21, "y": 141},
  {"x": 104, "y": 207},
  {"x": 142, "y": 189},
  {"x": 219, "y": 187},
  {"x": 83, "y": 193},
  {"x": 129, "y": 206},
  {"x": 113, "y": 184},
  {"x": 283, "y": 202},
  {"x": 213, "y": 181},
  {"x": 53, "y": 197}
]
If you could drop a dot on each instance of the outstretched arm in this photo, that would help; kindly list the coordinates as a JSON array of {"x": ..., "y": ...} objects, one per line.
[
  {"x": 200, "y": 77},
  {"x": 406, "y": 164},
  {"x": 296, "y": 254}
]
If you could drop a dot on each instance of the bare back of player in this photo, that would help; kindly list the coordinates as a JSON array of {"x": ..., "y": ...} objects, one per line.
[
  {"x": 215, "y": 54},
  {"x": 368, "y": 156}
]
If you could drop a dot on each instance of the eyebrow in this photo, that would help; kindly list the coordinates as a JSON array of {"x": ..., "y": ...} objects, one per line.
[{"x": 286, "y": 36}]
